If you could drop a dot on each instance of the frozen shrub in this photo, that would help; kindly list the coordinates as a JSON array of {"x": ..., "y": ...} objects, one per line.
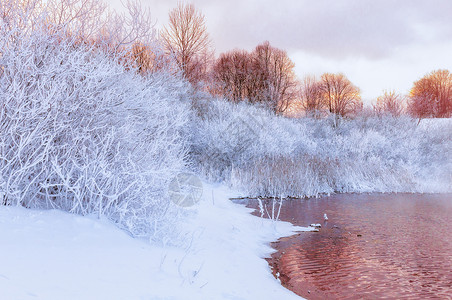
[
  {"x": 277, "y": 156},
  {"x": 80, "y": 132}
]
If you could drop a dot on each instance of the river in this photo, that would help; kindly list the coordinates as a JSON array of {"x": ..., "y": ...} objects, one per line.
[{"x": 392, "y": 246}]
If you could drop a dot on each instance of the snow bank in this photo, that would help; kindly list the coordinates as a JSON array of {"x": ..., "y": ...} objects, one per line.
[
  {"x": 56, "y": 255},
  {"x": 266, "y": 155}
]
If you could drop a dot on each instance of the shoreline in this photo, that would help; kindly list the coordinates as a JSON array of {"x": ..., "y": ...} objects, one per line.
[{"x": 52, "y": 254}]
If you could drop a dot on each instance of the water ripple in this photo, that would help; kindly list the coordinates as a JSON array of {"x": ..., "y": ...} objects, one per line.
[{"x": 396, "y": 246}]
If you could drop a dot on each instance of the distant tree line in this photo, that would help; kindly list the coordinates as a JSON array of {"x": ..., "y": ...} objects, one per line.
[{"x": 266, "y": 75}]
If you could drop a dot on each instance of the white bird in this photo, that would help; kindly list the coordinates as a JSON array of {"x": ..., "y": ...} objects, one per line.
[{"x": 325, "y": 217}]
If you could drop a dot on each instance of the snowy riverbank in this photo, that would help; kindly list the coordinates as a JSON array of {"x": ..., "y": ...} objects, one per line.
[{"x": 56, "y": 255}]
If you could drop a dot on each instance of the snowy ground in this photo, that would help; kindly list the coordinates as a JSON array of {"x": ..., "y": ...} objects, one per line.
[{"x": 56, "y": 255}]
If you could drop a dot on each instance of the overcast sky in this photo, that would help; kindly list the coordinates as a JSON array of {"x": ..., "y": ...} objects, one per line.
[{"x": 378, "y": 45}]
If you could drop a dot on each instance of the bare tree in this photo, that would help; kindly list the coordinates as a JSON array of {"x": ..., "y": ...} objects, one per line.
[
  {"x": 340, "y": 95},
  {"x": 421, "y": 103},
  {"x": 284, "y": 84},
  {"x": 201, "y": 69},
  {"x": 389, "y": 103},
  {"x": 232, "y": 73},
  {"x": 274, "y": 79},
  {"x": 311, "y": 96},
  {"x": 431, "y": 96},
  {"x": 186, "y": 37},
  {"x": 258, "y": 88},
  {"x": 263, "y": 76}
]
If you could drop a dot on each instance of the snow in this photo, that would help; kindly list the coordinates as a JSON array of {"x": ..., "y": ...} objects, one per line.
[
  {"x": 265, "y": 155},
  {"x": 51, "y": 254}
]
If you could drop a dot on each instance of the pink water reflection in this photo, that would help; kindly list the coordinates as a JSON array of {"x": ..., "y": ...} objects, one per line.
[{"x": 396, "y": 246}]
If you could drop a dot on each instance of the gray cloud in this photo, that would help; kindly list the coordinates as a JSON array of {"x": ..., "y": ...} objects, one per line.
[{"x": 372, "y": 29}]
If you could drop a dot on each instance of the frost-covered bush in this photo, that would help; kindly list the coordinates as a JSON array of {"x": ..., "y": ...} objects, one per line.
[
  {"x": 80, "y": 132},
  {"x": 267, "y": 155}
]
